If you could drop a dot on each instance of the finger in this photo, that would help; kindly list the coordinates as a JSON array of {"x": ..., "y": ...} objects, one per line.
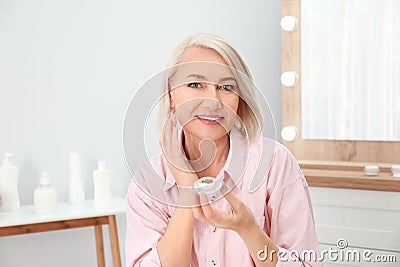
[
  {"x": 205, "y": 205},
  {"x": 167, "y": 145},
  {"x": 180, "y": 160},
  {"x": 174, "y": 137},
  {"x": 217, "y": 218},
  {"x": 206, "y": 214},
  {"x": 166, "y": 132},
  {"x": 213, "y": 216},
  {"x": 198, "y": 213},
  {"x": 173, "y": 119},
  {"x": 209, "y": 212},
  {"x": 235, "y": 202},
  {"x": 203, "y": 198}
]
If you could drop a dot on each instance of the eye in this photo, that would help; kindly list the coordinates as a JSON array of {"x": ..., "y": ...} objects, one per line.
[
  {"x": 194, "y": 85},
  {"x": 227, "y": 87}
]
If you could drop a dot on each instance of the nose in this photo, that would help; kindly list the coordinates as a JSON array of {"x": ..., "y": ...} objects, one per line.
[
  {"x": 213, "y": 91},
  {"x": 213, "y": 94}
]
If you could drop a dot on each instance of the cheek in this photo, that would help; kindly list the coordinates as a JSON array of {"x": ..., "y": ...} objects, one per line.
[
  {"x": 177, "y": 100},
  {"x": 184, "y": 105},
  {"x": 174, "y": 97},
  {"x": 231, "y": 107},
  {"x": 232, "y": 103},
  {"x": 181, "y": 95}
]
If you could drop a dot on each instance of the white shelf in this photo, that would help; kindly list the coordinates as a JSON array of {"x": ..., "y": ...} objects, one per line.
[{"x": 26, "y": 214}]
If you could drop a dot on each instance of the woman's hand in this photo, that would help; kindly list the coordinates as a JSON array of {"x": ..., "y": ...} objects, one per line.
[
  {"x": 177, "y": 162},
  {"x": 239, "y": 218}
]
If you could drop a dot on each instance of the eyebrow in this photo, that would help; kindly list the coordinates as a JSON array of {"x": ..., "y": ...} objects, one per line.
[
  {"x": 201, "y": 77},
  {"x": 197, "y": 76},
  {"x": 227, "y": 79}
]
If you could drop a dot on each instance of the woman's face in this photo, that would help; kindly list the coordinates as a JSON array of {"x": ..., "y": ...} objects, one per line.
[{"x": 204, "y": 94}]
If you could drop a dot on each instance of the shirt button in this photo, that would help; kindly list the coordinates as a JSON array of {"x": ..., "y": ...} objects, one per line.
[
  {"x": 214, "y": 230},
  {"x": 214, "y": 262},
  {"x": 213, "y": 198}
]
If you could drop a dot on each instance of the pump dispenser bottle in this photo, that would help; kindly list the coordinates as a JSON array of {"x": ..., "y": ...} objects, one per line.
[
  {"x": 9, "y": 185},
  {"x": 102, "y": 186},
  {"x": 76, "y": 193},
  {"x": 45, "y": 196}
]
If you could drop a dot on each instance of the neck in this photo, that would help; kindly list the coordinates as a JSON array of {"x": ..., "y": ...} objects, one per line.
[{"x": 209, "y": 156}]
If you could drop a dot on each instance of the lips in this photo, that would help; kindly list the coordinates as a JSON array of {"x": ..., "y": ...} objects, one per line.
[{"x": 211, "y": 118}]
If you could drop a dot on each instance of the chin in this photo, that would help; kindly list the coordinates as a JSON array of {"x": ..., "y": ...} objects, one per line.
[{"x": 213, "y": 132}]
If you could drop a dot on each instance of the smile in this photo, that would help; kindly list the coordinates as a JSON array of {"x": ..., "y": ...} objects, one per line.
[{"x": 209, "y": 118}]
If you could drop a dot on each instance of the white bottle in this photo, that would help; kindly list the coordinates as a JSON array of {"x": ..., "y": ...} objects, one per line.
[
  {"x": 102, "y": 186},
  {"x": 9, "y": 185},
  {"x": 45, "y": 197},
  {"x": 76, "y": 194}
]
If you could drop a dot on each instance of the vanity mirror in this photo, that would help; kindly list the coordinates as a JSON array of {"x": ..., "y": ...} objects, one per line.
[
  {"x": 350, "y": 70},
  {"x": 324, "y": 72}
]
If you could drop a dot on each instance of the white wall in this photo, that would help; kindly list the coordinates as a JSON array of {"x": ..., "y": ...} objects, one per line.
[{"x": 67, "y": 72}]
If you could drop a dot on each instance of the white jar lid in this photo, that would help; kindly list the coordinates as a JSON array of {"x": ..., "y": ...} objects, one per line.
[{"x": 207, "y": 185}]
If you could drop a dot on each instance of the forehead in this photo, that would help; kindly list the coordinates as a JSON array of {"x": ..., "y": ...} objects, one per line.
[
  {"x": 195, "y": 54},
  {"x": 202, "y": 71},
  {"x": 201, "y": 64}
]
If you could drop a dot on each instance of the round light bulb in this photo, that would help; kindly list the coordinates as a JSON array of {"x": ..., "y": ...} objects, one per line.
[
  {"x": 289, "y": 78},
  {"x": 289, "y": 133},
  {"x": 289, "y": 23}
]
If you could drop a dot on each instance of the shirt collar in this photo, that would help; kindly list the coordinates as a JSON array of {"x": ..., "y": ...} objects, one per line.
[{"x": 235, "y": 165}]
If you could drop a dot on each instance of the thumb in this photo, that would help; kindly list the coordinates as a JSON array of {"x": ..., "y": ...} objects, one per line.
[{"x": 235, "y": 202}]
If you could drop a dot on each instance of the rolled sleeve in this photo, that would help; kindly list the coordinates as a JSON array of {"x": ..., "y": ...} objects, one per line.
[
  {"x": 286, "y": 260},
  {"x": 291, "y": 214},
  {"x": 146, "y": 224},
  {"x": 152, "y": 259}
]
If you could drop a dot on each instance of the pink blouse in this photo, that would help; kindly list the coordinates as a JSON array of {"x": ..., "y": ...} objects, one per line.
[{"x": 278, "y": 197}]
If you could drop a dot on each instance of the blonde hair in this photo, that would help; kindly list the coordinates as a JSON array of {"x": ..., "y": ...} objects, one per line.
[{"x": 249, "y": 110}]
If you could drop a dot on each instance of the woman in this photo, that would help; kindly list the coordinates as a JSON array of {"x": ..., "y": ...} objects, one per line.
[{"x": 206, "y": 92}]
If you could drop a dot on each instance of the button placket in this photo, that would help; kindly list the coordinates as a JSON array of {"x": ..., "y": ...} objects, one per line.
[{"x": 213, "y": 248}]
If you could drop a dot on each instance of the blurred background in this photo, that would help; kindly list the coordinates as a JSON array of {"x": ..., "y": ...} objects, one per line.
[{"x": 68, "y": 70}]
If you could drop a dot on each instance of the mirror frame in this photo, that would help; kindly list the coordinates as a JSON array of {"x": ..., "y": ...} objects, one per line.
[{"x": 321, "y": 150}]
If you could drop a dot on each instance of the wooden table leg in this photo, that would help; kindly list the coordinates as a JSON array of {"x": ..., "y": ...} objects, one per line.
[
  {"x": 99, "y": 246},
  {"x": 112, "y": 227}
]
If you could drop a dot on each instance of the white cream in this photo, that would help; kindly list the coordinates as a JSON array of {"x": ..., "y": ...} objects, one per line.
[{"x": 207, "y": 185}]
